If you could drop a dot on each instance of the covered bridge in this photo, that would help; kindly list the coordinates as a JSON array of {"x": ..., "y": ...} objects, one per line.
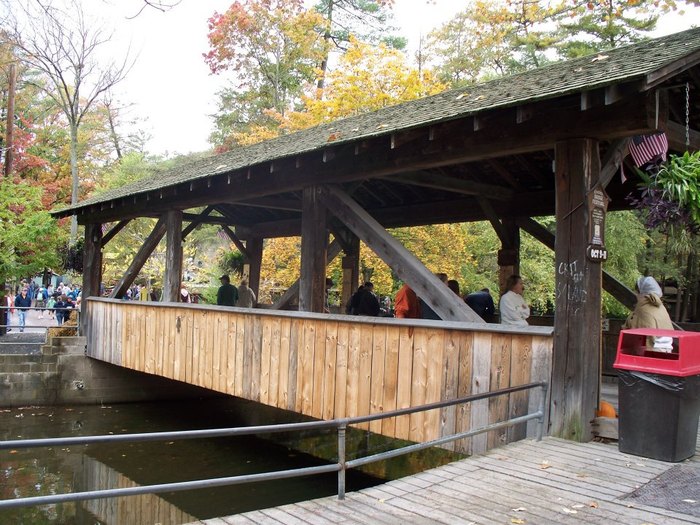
[{"x": 545, "y": 142}]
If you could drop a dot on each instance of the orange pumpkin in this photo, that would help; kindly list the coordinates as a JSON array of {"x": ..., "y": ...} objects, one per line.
[{"x": 606, "y": 410}]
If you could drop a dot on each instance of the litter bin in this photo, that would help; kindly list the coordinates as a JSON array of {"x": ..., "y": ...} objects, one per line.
[{"x": 659, "y": 394}]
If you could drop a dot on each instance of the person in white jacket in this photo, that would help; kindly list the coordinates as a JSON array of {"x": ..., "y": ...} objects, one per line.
[
  {"x": 246, "y": 296},
  {"x": 514, "y": 310}
]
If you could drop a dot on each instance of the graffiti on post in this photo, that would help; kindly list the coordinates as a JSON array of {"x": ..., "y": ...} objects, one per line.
[{"x": 570, "y": 284}]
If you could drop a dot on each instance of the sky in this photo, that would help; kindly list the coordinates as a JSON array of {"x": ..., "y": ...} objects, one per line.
[
  {"x": 169, "y": 83},
  {"x": 169, "y": 87}
]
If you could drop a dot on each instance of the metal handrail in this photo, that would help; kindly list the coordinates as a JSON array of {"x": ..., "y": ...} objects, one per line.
[
  {"x": 341, "y": 466},
  {"x": 70, "y": 310}
]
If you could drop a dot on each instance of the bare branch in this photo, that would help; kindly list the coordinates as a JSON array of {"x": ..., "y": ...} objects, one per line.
[
  {"x": 63, "y": 47},
  {"x": 159, "y": 5}
]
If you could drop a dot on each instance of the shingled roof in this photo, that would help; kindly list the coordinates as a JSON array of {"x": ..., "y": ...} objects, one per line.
[{"x": 636, "y": 62}]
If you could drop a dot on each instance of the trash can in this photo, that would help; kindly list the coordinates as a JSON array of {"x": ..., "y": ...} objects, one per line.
[{"x": 659, "y": 394}]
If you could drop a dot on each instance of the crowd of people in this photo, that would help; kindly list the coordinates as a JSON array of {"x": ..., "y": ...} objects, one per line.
[
  {"x": 56, "y": 303},
  {"x": 407, "y": 305}
]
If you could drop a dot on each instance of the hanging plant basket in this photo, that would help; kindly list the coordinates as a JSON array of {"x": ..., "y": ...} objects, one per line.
[{"x": 671, "y": 197}]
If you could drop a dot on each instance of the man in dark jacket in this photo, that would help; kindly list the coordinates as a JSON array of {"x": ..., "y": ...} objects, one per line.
[
  {"x": 367, "y": 302},
  {"x": 482, "y": 304},
  {"x": 227, "y": 294}
]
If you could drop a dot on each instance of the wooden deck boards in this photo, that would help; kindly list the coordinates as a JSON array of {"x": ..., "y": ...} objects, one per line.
[{"x": 552, "y": 481}]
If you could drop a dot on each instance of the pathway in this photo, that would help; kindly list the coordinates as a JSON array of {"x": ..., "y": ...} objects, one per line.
[{"x": 527, "y": 482}]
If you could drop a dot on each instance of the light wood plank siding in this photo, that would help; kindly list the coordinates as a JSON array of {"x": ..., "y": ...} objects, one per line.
[
  {"x": 141, "y": 508},
  {"x": 333, "y": 366}
]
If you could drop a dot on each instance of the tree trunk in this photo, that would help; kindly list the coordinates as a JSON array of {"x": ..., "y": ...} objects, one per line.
[
  {"x": 9, "y": 129},
  {"x": 113, "y": 132},
  {"x": 327, "y": 37},
  {"x": 74, "y": 179}
]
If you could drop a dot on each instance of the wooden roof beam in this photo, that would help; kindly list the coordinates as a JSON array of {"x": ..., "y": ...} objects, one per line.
[
  {"x": 454, "y": 185},
  {"x": 271, "y": 203},
  {"x": 503, "y": 173},
  {"x": 196, "y": 221},
  {"x": 462, "y": 209},
  {"x": 496, "y": 224},
  {"x": 530, "y": 169},
  {"x": 140, "y": 259},
  {"x": 673, "y": 69},
  {"x": 612, "y": 161},
  {"x": 114, "y": 231},
  {"x": 215, "y": 219},
  {"x": 235, "y": 240},
  {"x": 524, "y": 113},
  {"x": 675, "y": 133}
]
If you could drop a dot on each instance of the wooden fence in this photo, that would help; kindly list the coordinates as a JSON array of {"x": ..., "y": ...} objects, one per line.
[{"x": 333, "y": 366}]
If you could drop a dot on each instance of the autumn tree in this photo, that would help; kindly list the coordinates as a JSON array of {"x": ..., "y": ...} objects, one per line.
[
  {"x": 62, "y": 46},
  {"x": 495, "y": 38},
  {"x": 364, "y": 20},
  {"x": 273, "y": 48},
  {"x": 367, "y": 78},
  {"x": 591, "y": 26},
  {"x": 491, "y": 39}
]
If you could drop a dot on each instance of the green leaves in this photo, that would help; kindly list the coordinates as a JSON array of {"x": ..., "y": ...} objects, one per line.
[
  {"x": 679, "y": 179},
  {"x": 29, "y": 237}
]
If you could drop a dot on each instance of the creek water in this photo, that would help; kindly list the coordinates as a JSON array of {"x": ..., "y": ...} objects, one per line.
[{"x": 56, "y": 470}]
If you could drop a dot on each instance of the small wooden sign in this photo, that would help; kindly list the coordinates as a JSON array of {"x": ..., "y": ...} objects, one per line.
[
  {"x": 596, "y": 253},
  {"x": 597, "y": 208}
]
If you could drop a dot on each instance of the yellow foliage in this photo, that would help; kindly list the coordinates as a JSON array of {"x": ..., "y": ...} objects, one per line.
[
  {"x": 367, "y": 78},
  {"x": 281, "y": 266},
  {"x": 257, "y": 133}
]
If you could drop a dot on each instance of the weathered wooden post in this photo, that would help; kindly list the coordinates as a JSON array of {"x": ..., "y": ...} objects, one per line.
[
  {"x": 577, "y": 323},
  {"x": 92, "y": 269},
  {"x": 509, "y": 254},
  {"x": 351, "y": 271},
  {"x": 173, "y": 256},
  {"x": 254, "y": 247},
  {"x": 314, "y": 246}
]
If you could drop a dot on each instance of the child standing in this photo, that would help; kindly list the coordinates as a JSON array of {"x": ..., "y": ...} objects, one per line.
[{"x": 50, "y": 305}]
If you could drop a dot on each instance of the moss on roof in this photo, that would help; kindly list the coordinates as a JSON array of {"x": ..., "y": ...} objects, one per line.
[{"x": 554, "y": 80}]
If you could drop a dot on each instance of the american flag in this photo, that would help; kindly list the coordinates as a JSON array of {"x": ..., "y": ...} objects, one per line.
[{"x": 645, "y": 148}]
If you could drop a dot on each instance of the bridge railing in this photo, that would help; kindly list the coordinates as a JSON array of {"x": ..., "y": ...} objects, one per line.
[
  {"x": 333, "y": 366},
  {"x": 341, "y": 466},
  {"x": 37, "y": 319}
]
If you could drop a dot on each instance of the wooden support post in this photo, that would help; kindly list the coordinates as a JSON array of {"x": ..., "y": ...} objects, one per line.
[
  {"x": 293, "y": 291},
  {"x": 509, "y": 254},
  {"x": 577, "y": 323},
  {"x": 254, "y": 247},
  {"x": 139, "y": 260},
  {"x": 92, "y": 268},
  {"x": 314, "y": 244},
  {"x": 173, "y": 257},
  {"x": 351, "y": 272}
]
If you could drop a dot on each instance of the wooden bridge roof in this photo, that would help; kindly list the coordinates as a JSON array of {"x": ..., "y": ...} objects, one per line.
[{"x": 461, "y": 155}]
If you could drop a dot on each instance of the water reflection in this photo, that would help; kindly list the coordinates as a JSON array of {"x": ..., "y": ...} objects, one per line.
[{"x": 45, "y": 471}]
